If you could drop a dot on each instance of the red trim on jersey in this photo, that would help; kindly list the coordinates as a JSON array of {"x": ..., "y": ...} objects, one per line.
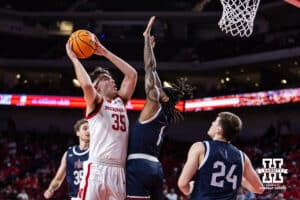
[
  {"x": 95, "y": 111},
  {"x": 86, "y": 181}
]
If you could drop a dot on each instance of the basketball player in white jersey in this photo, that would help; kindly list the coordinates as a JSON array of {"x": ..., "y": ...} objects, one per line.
[{"x": 104, "y": 177}]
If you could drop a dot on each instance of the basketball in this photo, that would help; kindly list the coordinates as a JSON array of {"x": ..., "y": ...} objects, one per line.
[{"x": 82, "y": 43}]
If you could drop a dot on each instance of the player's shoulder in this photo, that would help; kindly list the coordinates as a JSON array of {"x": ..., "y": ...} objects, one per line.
[
  {"x": 239, "y": 152},
  {"x": 198, "y": 147},
  {"x": 197, "y": 144},
  {"x": 236, "y": 148},
  {"x": 71, "y": 149},
  {"x": 120, "y": 99}
]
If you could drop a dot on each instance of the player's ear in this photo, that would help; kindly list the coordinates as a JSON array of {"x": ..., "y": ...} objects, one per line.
[
  {"x": 220, "y": 130},
  {"x": 77, "y": 133},
  {"x": 95, "y": 84},
  {"x": 164, "y": 98}
]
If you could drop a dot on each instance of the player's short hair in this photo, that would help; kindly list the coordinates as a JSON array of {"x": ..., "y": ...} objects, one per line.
[
  {"x": 98, "y": 73},
  {"x": 231, "y": 125},
  {"x": 78, "y": 124}
]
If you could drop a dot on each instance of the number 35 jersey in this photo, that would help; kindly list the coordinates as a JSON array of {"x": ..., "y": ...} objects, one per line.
[
  {"x": 108, "y": 126},
  {"x": 220, "y": 174},
  {"x": 74, "y": 174}
]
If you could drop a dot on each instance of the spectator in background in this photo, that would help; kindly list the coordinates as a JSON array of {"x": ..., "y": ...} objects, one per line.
[
  {"x": 23, "y": 195},
  {"x": 249, "y": 195},
  {"x": 241, "y": 195},
  {"x": 172, "y": 194}
]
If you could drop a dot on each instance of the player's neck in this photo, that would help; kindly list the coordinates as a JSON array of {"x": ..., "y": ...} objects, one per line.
[
  {"x": 108, "y": 98},
  {"x": 83, "y": 145},
  {"x": 219, "y": 138}
]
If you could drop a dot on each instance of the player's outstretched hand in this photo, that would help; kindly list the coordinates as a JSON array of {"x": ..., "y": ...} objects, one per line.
[
  {"x": 149, "y": 26},
  {"x": 100, "y": 49}
]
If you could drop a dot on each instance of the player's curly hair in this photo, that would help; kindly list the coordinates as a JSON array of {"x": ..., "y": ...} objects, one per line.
[
  {"x": 179, "y": 91},
  {"x": 98, "y": 71}
]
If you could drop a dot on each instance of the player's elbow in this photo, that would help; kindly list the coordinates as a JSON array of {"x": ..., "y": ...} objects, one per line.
[
  {"x": 179, "y": 184},
  {"x": 182, "y": 185},
  {"x": 260, "y": 189},
  {"x": 257, "y": 189},
  {"x": 86, "y": 86},
  {"x": 133, "y": 75}
]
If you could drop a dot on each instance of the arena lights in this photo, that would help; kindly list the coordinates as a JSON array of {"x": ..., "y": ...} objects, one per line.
[
  {"x": 194, "y": 105},
  {"x": 241, "y": 100}
]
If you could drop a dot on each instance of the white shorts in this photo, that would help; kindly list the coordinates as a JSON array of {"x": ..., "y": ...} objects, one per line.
[{"x": 103, "y": 182}]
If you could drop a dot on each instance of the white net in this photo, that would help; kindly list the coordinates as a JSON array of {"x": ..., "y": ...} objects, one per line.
[{"x": 238, "y": 16}]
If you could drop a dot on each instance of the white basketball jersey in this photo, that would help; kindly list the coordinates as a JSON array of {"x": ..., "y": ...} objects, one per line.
[{"x": 109, "y": 132}]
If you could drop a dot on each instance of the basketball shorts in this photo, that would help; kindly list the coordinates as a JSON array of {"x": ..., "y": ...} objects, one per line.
[
  {"x": 144, "y": 178},
  {"x": 103, "y": 181}
]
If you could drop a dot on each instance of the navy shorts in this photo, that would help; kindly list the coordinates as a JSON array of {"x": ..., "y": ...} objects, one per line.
[{"x": 144, "y": 179}]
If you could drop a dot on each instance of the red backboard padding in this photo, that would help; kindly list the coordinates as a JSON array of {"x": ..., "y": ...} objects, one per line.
[{"x": 294, "y": 2}]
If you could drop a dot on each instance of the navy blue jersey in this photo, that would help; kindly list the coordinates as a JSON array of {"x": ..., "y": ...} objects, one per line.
[
  {"x": 144, "y": 174},
  {"x": 147, "y": 137},
  {"x": 74, "y": 174},
  {"x": 220, "y": 174}
]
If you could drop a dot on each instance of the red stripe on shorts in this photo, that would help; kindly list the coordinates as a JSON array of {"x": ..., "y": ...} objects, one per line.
[{"x": 86, "y": 181}]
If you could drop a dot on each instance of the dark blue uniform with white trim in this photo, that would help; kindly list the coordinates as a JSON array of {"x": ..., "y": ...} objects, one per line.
[
  {"x": 74, "y": 174},
  {"x": 220, "y": 174},
  {"x": 144, "y": 174}
]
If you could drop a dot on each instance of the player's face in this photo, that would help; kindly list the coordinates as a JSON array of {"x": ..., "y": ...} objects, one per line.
[
  {"x": 106, "y": 86},
  {"x": 83, "y": 132},
  {"x": 214, "y": 128}
]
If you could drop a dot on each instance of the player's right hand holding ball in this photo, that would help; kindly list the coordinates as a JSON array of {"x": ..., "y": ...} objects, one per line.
[{"x": 70, "y": 52}]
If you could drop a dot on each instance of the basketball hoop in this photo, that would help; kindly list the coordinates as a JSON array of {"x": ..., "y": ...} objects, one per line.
[{"x": 238, "y": 16}]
